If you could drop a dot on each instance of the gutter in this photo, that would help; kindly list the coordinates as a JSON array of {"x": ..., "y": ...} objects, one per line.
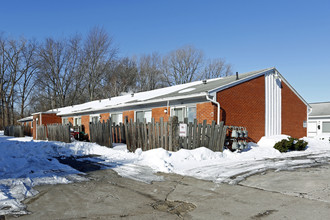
[{"x": 218, "y": 104}]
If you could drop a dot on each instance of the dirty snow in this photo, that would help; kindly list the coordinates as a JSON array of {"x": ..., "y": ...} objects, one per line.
[{"x": 25, "y": 163}]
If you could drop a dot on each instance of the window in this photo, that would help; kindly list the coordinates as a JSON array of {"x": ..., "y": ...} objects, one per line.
[
  {"x": 326, "y": 127},
  {"x": 65, "y": 121},
  {"x": 191, "y": 114},
  {"x": 117, "y": 118},
  {"x": 188, "y": 112},
  {"x": 32, "y": 124},
  {"x": 94, "y": 118},
  {"x": 179, "y": 112},
  {"x": 77, "y": 121},
  {"x": 141, "y": 115}
]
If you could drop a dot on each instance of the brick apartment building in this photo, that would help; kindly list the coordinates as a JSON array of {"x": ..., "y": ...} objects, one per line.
[{"x": 262, "y": 101}]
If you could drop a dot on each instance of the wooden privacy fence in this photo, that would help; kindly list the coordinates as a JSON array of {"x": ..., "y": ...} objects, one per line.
[
  {"x": 53, "y": 132},
  {"x": 41, "y": 132},
  {"x": 101, "y": 133},
  {"x": 27, "y": 130},
  {"x": 14, "y": 130},
  {"x": 166, "y": 135},
  {"x": 59, "y": 132}
]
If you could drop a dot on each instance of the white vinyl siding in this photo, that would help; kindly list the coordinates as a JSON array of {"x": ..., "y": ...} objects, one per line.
[{"x": 273, "y": 104}]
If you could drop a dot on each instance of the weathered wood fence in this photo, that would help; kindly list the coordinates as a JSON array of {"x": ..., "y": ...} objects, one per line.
[
  {"x": 59, "y": 132},
  {"x": 53, "y": 132},
  {"x": 27, "y": 130},
  {"x": 14, "y": 130},
  {"x": 41, "y": 132},
  {"x": 166, "y": 135},
  {"x": 101, "y": 133}
]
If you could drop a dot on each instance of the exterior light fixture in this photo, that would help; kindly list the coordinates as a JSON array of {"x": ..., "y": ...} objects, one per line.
[{"x": 165, "y": 111}]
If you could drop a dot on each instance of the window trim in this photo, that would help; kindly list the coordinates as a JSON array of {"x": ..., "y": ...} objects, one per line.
[
  {"x": 143, "y": 110},
  {"x": 74, "y": 120},
  {"x": 324, "y": 132},
  {"x": 94, "y": 115},
  {"x": 117, "y": 113},
  {"x": 65, "y": 118},
  {"x": 185, "y": 109}
]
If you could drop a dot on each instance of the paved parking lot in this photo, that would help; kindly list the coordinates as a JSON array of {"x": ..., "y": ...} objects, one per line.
[{"x": 298, "y": 194}]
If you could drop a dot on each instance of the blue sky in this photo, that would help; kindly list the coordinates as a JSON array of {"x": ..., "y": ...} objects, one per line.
[{"x": 292, "y": 36}]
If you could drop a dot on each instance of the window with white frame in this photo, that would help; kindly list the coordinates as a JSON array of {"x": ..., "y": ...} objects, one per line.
[
  {"x": 77, "y": 121},
  {"x": 326, "y": 127},
  {"x": 141, "y": 115},
  {"x": 179, "y": 112},
  {"x": 117, "y": 118},
  {"x": 94, "y": 118},
  {"x": 191, "y": 113},
  {"x": 65, "y": 121},
  {"x": 184, "y": 112}
]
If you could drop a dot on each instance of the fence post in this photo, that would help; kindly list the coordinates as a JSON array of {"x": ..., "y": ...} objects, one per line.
[
  {"x": 127, "y": 137},
  {"x": 166, "y": 135},
  {"x": 174, "y": 132}
]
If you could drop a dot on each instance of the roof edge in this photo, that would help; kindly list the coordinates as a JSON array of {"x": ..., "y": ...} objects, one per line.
[
  {"x": 239, "y": 81},
  {"x": 293, "y": 90}
]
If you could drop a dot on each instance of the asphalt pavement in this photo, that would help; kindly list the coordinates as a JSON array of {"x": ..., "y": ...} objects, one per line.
[{"x": 298, "y": 194}]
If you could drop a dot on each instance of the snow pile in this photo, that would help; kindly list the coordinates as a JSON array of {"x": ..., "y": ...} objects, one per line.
[{"x": 25, "y": 163}]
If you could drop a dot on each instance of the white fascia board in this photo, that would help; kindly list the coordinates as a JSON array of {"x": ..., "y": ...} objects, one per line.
[
  {"x": 239, "y": 81},
  {"x": 138, "y": 103},
  {"x": 30, "y": 118},
  {"x": 37, "y": 113}
]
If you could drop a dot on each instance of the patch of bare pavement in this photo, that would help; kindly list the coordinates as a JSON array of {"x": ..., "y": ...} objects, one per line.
[{"x": 298, "y": 194}]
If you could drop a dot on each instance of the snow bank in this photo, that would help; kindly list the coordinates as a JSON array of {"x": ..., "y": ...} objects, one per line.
[{"x": 25, "y": 163}]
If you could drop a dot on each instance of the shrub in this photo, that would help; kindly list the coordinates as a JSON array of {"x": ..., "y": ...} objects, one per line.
[{"x": 290, "y": 144}]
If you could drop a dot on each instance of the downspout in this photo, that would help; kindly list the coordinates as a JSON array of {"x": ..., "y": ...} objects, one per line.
[{"x": 218, "y": 104}]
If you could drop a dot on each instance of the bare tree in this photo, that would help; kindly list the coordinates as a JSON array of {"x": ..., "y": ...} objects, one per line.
[
  {"x": 28, "y": 69},
  {"x": 98, "y": 54},
  {"x": 183, "y": 65},
  {"x": 150, "y": 75},
  {"x": 216, "y": 68},
  {"x": 13, "y": 53},
  {"x": 56, "y": 67},
  {"x": 121, "y": 78},
  {"x": 3, "y": 76}
]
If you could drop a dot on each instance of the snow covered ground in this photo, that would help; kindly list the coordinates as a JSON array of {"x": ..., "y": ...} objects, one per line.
[{"x": 25, "y": 163}]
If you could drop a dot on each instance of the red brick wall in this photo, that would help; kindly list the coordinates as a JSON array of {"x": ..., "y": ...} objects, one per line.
[
  {"x": 244, "y": 105},
  {"x": 294, "y": 113},
  {"x": 70, "y": 119},
  {"x": 129, "y": 114},
  {"x": 46, "y": 119},
  {"x": 51, "y": 119},
  {"x": 158, "y": 113},
  {"x": 85, "y": 122},
  {"x": 104, "y": 116},
  {"x": 206, "y": 111}
]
